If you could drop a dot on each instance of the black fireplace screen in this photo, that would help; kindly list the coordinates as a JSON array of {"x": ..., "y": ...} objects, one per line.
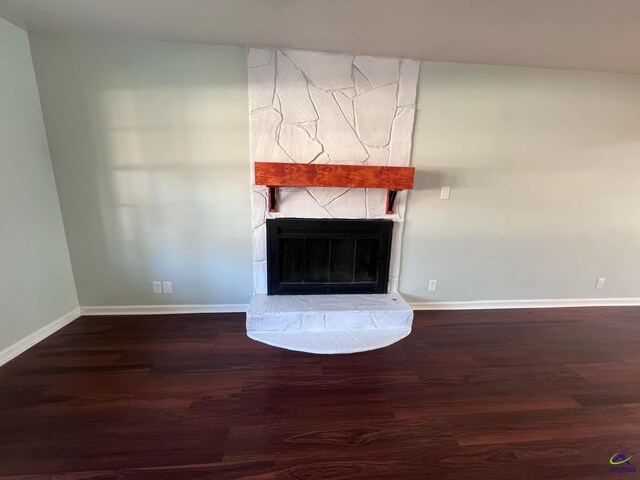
[{"x": 315, "y": 256}]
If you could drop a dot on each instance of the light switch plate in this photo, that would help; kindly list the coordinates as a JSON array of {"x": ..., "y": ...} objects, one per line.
[{"x": 445, "y": 193}]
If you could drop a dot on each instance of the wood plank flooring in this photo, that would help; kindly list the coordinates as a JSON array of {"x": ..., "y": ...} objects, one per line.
[{"x": 505, "y": 394}]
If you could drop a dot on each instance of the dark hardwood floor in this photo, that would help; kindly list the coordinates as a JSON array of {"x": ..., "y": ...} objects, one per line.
[{"x": 509, "y": 394}]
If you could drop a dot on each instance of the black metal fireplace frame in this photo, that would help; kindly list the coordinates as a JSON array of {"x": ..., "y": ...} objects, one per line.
[{"x": 327, "y": 228}]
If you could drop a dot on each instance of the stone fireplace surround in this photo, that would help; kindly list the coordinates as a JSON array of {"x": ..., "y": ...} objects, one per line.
[{"x": 313, "y": 107}]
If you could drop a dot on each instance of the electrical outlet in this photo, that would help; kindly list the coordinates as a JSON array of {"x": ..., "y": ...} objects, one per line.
[
  {"x": 167, "y": 287},
  {"x": 445, "y": 193},
  {"x": 433, "y": 285},
  {"x": 600, "y": 282},
  {"x": 157, "y": 287}
]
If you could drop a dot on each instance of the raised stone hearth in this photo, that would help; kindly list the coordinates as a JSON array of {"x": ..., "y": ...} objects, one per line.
[{"x": 329, "y": 323}]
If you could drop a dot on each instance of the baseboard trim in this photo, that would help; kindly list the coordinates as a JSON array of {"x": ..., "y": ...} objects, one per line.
[
  {"x": 163, "y": 309},
  {"x": 534, "y": 303},
  {"x": 30, "y": 340},
  {"x": 465, "y": 305}
]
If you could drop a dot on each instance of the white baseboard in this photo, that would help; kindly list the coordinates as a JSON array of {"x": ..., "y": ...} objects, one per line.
[
  {"x": 535, "y": 303},
  {"x": 164, "y": 309},
  {"x": 466, "y": 305},
  {"x": 29, "y": 341}
]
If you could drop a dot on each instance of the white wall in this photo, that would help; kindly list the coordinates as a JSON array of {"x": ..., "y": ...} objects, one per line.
[
  {"x": 149, "y": 142},
  {"x": 36, "y": 282},
  {"x": 545, "y": 173},
  {"x": 150, "y": 147}
]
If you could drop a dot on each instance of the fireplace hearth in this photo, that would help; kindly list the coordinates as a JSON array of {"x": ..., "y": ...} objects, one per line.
[{"x": 328, "y": 256}]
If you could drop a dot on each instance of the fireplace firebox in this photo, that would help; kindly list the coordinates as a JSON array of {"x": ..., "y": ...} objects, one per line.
[{"x": 327, "y": 256}]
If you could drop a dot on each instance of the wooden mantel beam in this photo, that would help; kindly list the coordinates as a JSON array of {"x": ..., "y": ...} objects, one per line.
[
  {"x": 273, "y": 175},
  {"x": 347, "y": 176}
]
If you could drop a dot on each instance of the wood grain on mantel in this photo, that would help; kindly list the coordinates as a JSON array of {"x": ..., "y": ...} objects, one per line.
[{"x": 349, "y": 176}]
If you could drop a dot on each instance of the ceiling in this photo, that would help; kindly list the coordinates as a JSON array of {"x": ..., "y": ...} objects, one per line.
[{"x": 600, "y": 35}]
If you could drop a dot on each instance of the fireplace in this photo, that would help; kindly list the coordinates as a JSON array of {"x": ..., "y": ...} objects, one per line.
[
  {"x": 331, "y": 167},
  {"x": 325, "y": 256}
]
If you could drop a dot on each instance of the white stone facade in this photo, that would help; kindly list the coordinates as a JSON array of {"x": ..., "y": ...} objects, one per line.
[{"x": 312, "y": 107}]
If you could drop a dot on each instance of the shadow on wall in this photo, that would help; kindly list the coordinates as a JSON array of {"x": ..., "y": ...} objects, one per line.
[
  {"x": 428, "y": 180},
  {"x": 170, "y": 199}
]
